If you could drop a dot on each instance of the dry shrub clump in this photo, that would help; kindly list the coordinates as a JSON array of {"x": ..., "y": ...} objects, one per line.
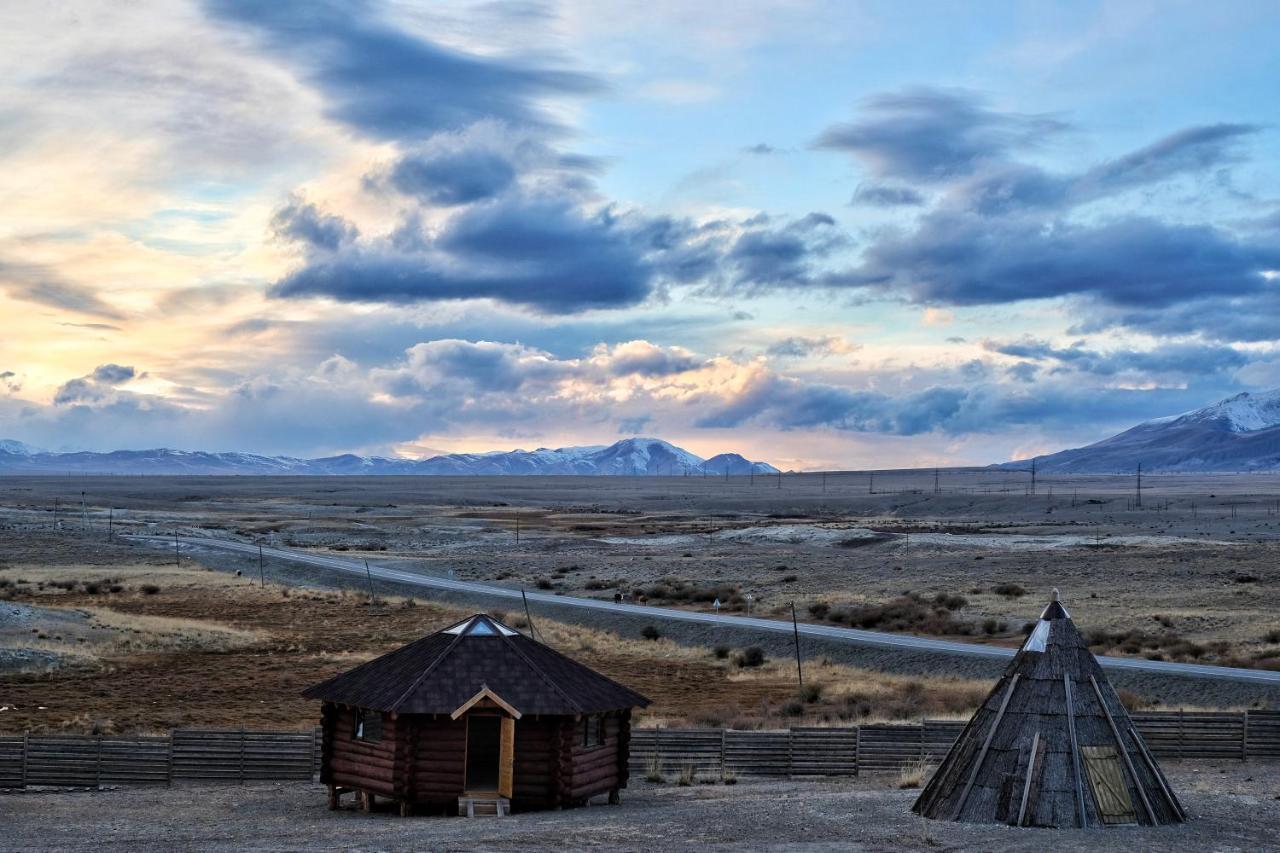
[{"x": 910, "y": 612}]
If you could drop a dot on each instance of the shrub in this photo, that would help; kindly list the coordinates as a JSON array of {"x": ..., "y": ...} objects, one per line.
[
  {"x": 793, "y": 709},
  {"x": 1272, "y": 636},
  {"x": 92, "y": 588},
  {"x": 728, "y": 777},
  {"x": 990, "y": 625},
  {"x": 721, "y": 652},
  {"x": 150, "y": 589},
  {"x": 1009, "y": 590},
  {"x": 819, "y": 609},
  {"x": 751, "y": 656},
  {"x": 650, "y": 633},
  {"x": 811, "y": 693},
  {"x": 687, "y": 776},
  {"x": 951, "y": 601},
  {"x": 653, "y": 772},
  {"x": 913, "y": 774},
  {"x": 544, "y": 583},
  {"x": 595, "y": 584},
  {"x": 790, "y": 578}
]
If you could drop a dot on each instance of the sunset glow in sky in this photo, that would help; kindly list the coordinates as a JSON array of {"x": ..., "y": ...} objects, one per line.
[{"x": 824, "y": 234}]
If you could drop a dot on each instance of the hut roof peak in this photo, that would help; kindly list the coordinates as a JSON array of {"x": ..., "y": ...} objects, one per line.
[{"x": 1054, "y": 609}]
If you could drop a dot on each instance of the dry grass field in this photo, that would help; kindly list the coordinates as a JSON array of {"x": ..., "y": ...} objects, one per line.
[{"x": 136, "y": 643}]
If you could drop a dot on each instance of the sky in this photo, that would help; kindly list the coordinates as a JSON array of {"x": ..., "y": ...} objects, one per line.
[{"x": 824, "y": 234}]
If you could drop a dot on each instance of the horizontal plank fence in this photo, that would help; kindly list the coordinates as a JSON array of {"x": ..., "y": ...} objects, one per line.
[{"x": 205, "y": 755}]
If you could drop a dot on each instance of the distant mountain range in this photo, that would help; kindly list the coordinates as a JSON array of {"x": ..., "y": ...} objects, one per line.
[
  {"x": 1240, "y": 433},
  {"x": 630, "y": 457}
]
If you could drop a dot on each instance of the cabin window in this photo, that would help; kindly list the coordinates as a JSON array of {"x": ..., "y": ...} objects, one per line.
[
  {"x": 368, "y": 726},
  {"x": 593, "y": 730}
]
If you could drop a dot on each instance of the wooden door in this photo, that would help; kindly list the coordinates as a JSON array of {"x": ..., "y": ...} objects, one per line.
[{"x": 507, "y": 757}]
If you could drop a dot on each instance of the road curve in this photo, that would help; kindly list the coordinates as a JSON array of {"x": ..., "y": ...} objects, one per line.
[{"x": 827, "y": 632}]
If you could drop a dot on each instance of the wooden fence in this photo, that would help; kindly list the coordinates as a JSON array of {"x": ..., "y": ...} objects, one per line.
[{"x": 245, "y": 756}]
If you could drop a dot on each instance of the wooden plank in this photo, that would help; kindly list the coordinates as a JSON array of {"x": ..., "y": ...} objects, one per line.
[
  {"x": 1075, "y": 751},
  {"x": 506, "y": 756},
  {"x": 1026, "y": 785},
  {"x": 986, "y": 744}
]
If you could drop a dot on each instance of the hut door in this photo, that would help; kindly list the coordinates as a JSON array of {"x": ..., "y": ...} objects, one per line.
[
  {"x": 483, "y": 752},
  {"x": 507, "y": 755}
]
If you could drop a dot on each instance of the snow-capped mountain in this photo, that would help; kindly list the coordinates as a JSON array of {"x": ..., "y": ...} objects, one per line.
[
  {"x": 1240, "y": 433},
  {"x": 629, "y": 457}
]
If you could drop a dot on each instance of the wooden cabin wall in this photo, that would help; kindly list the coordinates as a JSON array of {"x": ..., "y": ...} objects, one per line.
[
  {"x": 367, "y": 765},
  {"x": 600, "y": 769},
  {"x": 438, "y": 758},
  {"x": 536, "y": 772}
]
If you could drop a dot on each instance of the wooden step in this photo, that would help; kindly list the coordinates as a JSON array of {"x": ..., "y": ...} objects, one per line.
[{"x": 484, "y": 806}]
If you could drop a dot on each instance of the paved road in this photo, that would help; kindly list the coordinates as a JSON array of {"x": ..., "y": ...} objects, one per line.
[{"x": 826, "y": 632}]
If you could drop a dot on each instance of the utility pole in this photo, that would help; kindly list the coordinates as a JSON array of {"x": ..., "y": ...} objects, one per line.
[
  {"x": 528, "y": 617},
  {"x": 262, "y": 581},
  {"x": 795, "y": 627},
  {"x": 1033, "y": 476},
  {"x": 111, "y": 523},
  {"x": 84, "y": 514},
  {"x": 517, "y": 527},
  {"x": 1139, "y": 495},
  {"x": 369, "y": 573}
]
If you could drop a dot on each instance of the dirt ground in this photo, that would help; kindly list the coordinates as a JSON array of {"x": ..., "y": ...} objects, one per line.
[{"x": 1234, "y": 807}]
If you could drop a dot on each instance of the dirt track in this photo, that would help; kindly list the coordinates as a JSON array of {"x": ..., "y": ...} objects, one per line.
[{"x": 1234, "y": 806}]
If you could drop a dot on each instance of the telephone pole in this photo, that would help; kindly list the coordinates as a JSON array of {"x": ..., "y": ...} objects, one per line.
[{"x": 1139, "y": 493}]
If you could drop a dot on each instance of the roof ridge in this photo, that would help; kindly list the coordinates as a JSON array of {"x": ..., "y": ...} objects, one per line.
[
  {"x": 395, "y": 706},
  {"x": 538, "y": 670}
]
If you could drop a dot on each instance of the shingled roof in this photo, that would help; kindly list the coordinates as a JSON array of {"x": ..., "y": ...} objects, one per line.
[
  {"x": 442, "y": 672},
  {"x": 1052, "y": 745}
]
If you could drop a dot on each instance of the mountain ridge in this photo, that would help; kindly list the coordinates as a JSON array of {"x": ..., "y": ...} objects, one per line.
[
  {"x": 637, "y": 456},
  {"x": 1240, "y": 433}
]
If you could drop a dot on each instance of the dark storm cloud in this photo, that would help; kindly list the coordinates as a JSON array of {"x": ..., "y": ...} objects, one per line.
[
  {"x": 303, "y": 222},
  {"x": 542, "y": 253},
  {"x": 933, "y": 134},
  {"x": 953, "y": 259},
  {"x": 452, "y": 177},
  {"x": 390, "y": 84},
  {"x": 886, "y": 195}
]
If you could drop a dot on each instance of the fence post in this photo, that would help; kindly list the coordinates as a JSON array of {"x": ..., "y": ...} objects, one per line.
[
  {"x": 25, "y": 749},
  {"x": 723, "y": 737},
  {"x": 791, "y": 747},
  {"x": 97, "y": 762},
  {"x": 1182, "y": 733},
  {"x": 242, "y": 756},
  {"x": 857, "y": 750},
  {"x": 1244, "y": 735},
  {"x": 169, "y": 762}
]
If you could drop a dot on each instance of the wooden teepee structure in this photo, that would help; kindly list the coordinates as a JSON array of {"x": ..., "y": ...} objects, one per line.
[{"x": 1051, "y": 745}]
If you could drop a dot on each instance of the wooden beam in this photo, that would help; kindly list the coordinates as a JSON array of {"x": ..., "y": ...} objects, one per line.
[
  {"x": 506, "y": 756},
  {"x": 986, "y": 744},
  {"x": 485, "y": 693},
  {"x": 1155, "y": 771},
  {"x": 1124, "y": 753},
  {"x": 1026, "y": 784},
  {"x": 1075, "y": 751}
]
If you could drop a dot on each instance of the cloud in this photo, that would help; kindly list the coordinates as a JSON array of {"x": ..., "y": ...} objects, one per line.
[
  {"x": 886, "y": 195},
  {"x": 1188, "y": 359},
  {"x": 10, "y": 381},
  {"x": 452, "y": 177},
  {"x": 303, "y": 222},
  {"x": 97, "y": 388},
  {"x": 389, "y": 84},
  {"x": 34, "y": 283},
  {"x": 800, "y": 346},
  {"x": 1193, "y": 149},
  {"x": 760, "y": 149},
  {"x": 929, "y": 135},
  {"x": 643, "y": 358},
  {"x": 112, "y": 374}
]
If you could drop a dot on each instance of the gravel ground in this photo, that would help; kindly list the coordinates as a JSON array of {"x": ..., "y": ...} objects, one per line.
[{"x": 1235, "y": 808}]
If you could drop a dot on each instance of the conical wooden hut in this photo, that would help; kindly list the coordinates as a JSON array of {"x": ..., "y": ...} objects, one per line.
[
  {"x": 1051, "y": 746},
  {"x": 478, "y": 718}
]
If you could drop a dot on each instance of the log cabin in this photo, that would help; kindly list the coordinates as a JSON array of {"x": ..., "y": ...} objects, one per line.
[{"x": 474, "y": 719}]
